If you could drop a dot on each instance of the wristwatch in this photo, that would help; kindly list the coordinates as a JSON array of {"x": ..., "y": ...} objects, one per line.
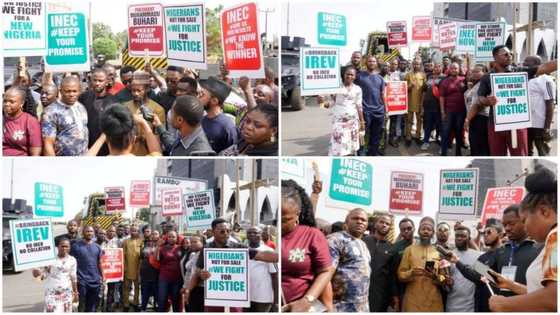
[{"x": 310, "y": 298}]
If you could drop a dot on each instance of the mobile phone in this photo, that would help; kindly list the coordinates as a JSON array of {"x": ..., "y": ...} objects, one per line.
[{"x": 429, "y": 265}]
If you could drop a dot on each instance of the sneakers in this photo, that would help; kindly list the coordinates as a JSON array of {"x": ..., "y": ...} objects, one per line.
[{"x": 425, "y": 146}]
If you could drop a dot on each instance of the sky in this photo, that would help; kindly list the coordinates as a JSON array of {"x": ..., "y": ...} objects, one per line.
[
  {"x": 362, "y": 17},
  {"x": 114, "y": 12},
  {"x": 78, "y": 176}
]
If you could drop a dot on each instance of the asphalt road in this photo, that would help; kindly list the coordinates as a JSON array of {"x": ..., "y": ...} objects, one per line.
[{"x": 307, "y": 133}]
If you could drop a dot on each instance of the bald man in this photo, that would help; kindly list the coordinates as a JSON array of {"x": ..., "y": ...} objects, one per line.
[
  {"x": 264, "y": 95},
  {"x": 22, "y": 133},
  {"x": 49, "y": 94},
  {"x": 64, "y": 123}
]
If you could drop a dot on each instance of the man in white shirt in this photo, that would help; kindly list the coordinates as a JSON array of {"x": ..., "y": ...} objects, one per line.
[{"x": 263, "y": 277}]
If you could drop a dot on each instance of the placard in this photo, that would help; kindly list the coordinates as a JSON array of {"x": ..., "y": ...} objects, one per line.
[
  {"x": 140, "y": 193},
  {"x": 513, "y": 109},
  {"x": 32, "y": 243},
  {"x": 49, "y": 200},
  {"x": 458, "y": 194},
  {"x": 23, "y": 27},
  {"x": 396, "y": 34},
  {"x": 331, "y": 29},
  {"x": 171, "y": 202},
  {"x": 112, "y": 264},
  {"x": 422, "y": 28},
  {"x": 320, "y": 70},
  {"x": 228, "y": 284},
  {"x": 351, "y": 181},
  {"x": 488, "y": 36},
  {"x": 447, "y": 36},
  {"x": 406, "y": 193},
  {"x": 499, "y": 198},
  {"x": 186, "y": 184},
  {"x": 68, "y": 37},
  {"x": 241, "y": 41},
  {"x": 396, "y": 97},
  {"x": 115, "y": 199},
  {"x": 199, "y": 209},
  {"x": 466, "y": 38},
  {"x": 145, "y": 30},
  {"x": 185, "y": 34}
]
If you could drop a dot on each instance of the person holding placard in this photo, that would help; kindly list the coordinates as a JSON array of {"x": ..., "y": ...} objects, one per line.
[{"x": 61, "y": 288}]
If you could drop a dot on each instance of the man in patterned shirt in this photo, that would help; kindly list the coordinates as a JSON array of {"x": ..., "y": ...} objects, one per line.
[
  {"x": 64, "y": 123},
  {"x": 351, "y": 259}
]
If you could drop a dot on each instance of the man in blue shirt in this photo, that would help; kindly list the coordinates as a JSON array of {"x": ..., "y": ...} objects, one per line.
[
  {"x": 90, "y": 276},
  {"x": 373, "y": 103}
]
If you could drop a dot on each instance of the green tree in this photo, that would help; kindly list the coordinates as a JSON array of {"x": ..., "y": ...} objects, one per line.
[
  {"x": 105, "y": 46},
  {"x": 101, "y": 30},
  {"x": 144, "y": 214},
  {"x": 214, "y": 33},
  {"x": 122, "y": 38}
]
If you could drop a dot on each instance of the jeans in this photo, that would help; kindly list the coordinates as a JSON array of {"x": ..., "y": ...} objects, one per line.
[
  {"x": 432, "y": 121},
  {"x": 478, "y": 136},
  {"x": 395, "y": 129},
  {"x": 89, "y": 297},
  {"x": 172, "y": 289},
  {"x": 453, "y": 122},
  {"x": 149, "y": 289},
  {"x": 374, "y": 129}
]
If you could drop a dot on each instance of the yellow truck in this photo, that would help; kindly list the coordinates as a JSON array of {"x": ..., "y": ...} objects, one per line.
[{"x": 94, "y": 211}]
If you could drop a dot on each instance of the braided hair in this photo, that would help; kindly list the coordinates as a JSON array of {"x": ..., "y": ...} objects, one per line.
[
  {"x": 541, "y": 189},
  {"x": 291, "y": 190}
]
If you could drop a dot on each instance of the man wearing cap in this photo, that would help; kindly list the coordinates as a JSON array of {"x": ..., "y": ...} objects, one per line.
[
  {"x": 141, "y": 104},
  {"x": 186, "y": 115},
  {"x": 219, "y": 129},
  {"x": 421, "y": 271}
]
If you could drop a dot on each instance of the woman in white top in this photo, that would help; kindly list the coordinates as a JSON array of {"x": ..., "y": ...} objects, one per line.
[
  {"x": 61, "y": 287},
  {"x": 347, "y": 117}
]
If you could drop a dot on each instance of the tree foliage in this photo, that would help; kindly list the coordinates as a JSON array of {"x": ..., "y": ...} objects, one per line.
[
  {"x": 214, "y": 32},
  {"x": 105, "y": 46}
]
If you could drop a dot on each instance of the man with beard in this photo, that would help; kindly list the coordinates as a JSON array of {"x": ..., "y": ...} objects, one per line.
[
  {"x": 406, "y": 228},
  {"x": 168, "y": 93},
  {"x": 461, "y": 296},
  {"x": 72, "y": 235},
  {"x": 442, "y": 235},
  {"x": 127, "y": 73},
  {"x": 420, "y": 269},
  {"x": 141, "y": 104},
  {"x": 382, "y": 287},
  {"x": 373, "y": 103},
  {"x": 90, "y": 274},
  {"x": 351, "y": 259},
  {"x": 113, "y": 86},
  {"x": 95, "y": 100},
  {"x": 219, "y": 129}
]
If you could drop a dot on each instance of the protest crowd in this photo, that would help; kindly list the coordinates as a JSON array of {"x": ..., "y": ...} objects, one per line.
[
  {"x": 449, "y": 100},
  {"x": 506, "y": 264},
  {"x": 139, "y": 112},
  {"x": 163, "y": 269}
]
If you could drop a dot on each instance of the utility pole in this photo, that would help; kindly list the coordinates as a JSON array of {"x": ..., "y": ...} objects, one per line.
[
  {"x": 266, "y": 12},
  {"x": 288, "y": 20},
  {"x": 530, "y": 31},
  {"x": 253, "y": 192},
  {"x": 237, "y": 205},
  {"x": 514, "y": 31}
]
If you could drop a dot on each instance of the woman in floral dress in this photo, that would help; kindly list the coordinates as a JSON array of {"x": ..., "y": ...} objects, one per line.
[
  {"x": 347, "y": 117},
  {"x": 61, "y": 287}
]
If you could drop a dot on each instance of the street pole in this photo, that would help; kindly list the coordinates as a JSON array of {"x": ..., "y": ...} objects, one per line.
[
  {"x": 253, "y": 194},
  {"x": 266, "y": 12},
  {"x": 514, "y": 31},
  {"x": 530, "y": 31},
  {"x": 288, "y": 20},
  {"x": 237, "y": 207}
]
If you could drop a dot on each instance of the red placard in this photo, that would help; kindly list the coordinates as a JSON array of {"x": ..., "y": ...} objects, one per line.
[
  {"x": 422, "y": 28},
  {"x": 171, "y": 202},
  {"x": 447, "y": 36},
  {"x": 406, "y": 193},
  {"x": 112, "y": 264},
  {"x": 241, "y": 41},
  {"x": 396, "y": 34},
  {"x": 145, "y": 30},
  {"x": 140, "y": 193},
  {"x": 115, "y": 199},
  {"x": 396, "y": 97},
  {"x": 499, "y": 198}
]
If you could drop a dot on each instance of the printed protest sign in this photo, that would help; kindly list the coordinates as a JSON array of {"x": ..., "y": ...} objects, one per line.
[
  {"x": 447, "y": 36},
  {"x": 145, "y": 30},
  {"x": 466, "y": 38},
  {"x": 68, "y": 40},
  {"x": 171, "y": 202},
  {"x": 185, "y": 35},
  {"x": 199, "y": 209},
  {"x": 396, "y": 34},
  {"x": 488, "y": 36},
  {"x": 436, "y": 22},
  {"x": 115, "y": 199},
  {"x": 512, "y": 110},
  {"x": 396, "y": 97},
  {"x": 293, "y": 166},
  {"x": 406, "y": 193},
  {"x": 422, "y": 28},
  {"x": 49, "y": 201},
  {"x": 351, "y": 181},
  {"x": 32, "y": 243},
  {"x": 499, "y": 198},
  {"x": 320, "y": 70},
  {"x": 228, "y": 284},
  {"x": 23, "y": 27},
  {"x": 458, "y": 193},
  {"x": 112, "y": 264},
  {"x": 186, "y": 184},
  {"x": 241, "y": 41},
  {"x": 140, "y": 193},
  {"x": 331, "y": 29}
]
